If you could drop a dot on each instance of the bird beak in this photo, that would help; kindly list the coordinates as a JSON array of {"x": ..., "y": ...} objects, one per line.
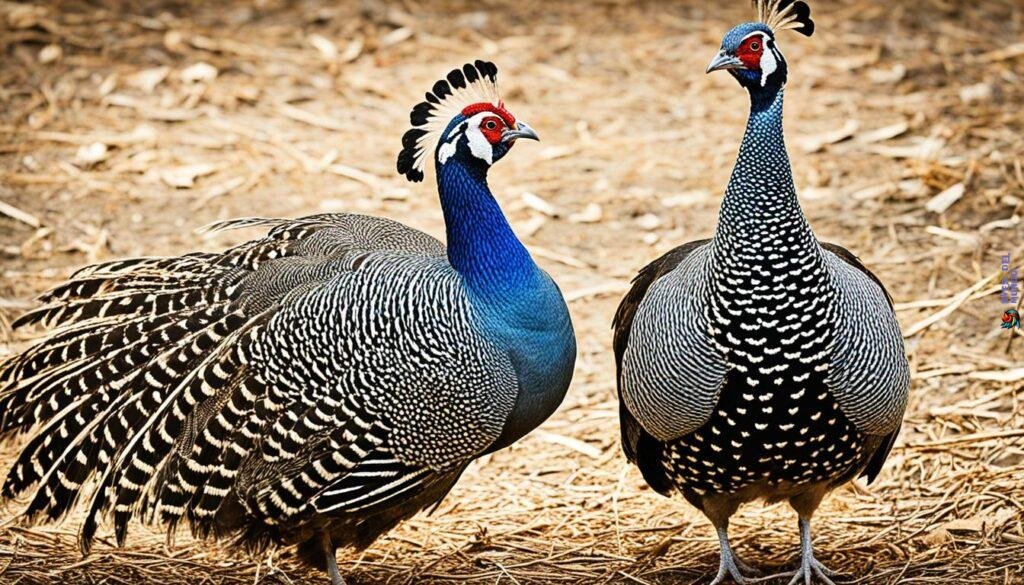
[
  {"x": 521, "y": 131},
  {"x": 724, "y": 60}
]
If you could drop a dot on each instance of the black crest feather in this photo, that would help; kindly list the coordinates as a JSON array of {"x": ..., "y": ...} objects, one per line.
[
  {"x": 471, "y": 83},
  {"x": 785, "y": 15}
]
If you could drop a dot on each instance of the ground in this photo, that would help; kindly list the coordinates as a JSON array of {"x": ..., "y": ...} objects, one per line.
[{"x": 125, "y": 127}]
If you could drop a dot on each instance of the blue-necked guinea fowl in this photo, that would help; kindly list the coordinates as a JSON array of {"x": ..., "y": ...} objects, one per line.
[
  {"x": 313, "y": 387},
  {"x": 760, "y": 363}
]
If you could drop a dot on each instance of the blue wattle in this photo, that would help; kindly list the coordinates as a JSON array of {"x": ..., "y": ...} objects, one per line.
[{"x": 519, "y": 307}]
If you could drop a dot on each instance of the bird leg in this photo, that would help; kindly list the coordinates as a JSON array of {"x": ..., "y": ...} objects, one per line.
[
  {"x": 728, "y": 563},
  {"x": 808, "y": 563},
  {"x": 330, "y": 553},
  {"x": 809, "y": 568}
]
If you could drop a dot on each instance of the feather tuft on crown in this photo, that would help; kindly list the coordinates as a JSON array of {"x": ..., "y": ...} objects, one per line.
[
  {"x": 785, "y": 15},
  {"x": 473, "y": 83}
]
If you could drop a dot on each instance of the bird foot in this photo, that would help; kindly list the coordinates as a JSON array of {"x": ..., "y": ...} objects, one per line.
[
  {"x": 744, "y": 567},
  {"x": 729, "y": 565},
  {"x": 809, "y": 569}
]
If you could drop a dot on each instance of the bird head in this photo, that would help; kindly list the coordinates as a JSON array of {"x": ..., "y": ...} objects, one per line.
[
  {"x": 462, "y": 119},
  {"x": 750, "y": 52}
]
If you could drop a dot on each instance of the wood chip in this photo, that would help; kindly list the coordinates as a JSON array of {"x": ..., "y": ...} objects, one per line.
[
  {"x": 1000, "y": 224},
  {"x": 953, "y": 305},
  {"x": 90, "y": 154},
  {"x": 353, "y": 49},
  {"x": 944, "y": 200},
  {"x": 923, "y": 149},
  {"x": 20, "y": 215},
  {"x": 50, "y": 54},
  {"x": 184, "y": 177},
  {"x": 1010, "y": 375},
  {"x": 538, "y": 204},
  {"x": 219, "y": 190},
  {"x": 368, "y": 179},
  {"x": 884, "y": 133},
  {"x": 815, "y": 143},
  {"x": 199, "y": 72},
  {"x": 592, "y": 213},
  {"x": 306, "y": 117},
  {"x": 648, "y": 221},
  {"x": 528, "y": 228},
  {"x": 541, "y": 252},
  {"x": 328, "y": 50},
  {"x": 1002, "y": 54},
  {"x": 568, "y": 442},
  {"x": 964, "y": 239},
  {"x": 147, "y": 80},
  {"x": 396, "y": 36},
  {"x": 686, "y": 198}
]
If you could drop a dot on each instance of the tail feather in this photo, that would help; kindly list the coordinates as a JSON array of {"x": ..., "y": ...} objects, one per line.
[
  {"x": 121, "y": 304},
  {"x": 152, "y": 443},
  {"x": 47, "y": 380},
  {"x": 187, "y": 474},
  {"x": 146, "y": 428},
  {"x": 64, "y": 464},
  {"x": 193, "y": 262},
  {"x": 143, "y": 390},
  {"x": 351, "y": 445},
  {"x": 208, "y": 501}
]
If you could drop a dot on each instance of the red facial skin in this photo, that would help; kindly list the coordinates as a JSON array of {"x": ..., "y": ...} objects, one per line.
[
  {"x": 750, "y": 52},
  {"x": 491, "y": 126}
]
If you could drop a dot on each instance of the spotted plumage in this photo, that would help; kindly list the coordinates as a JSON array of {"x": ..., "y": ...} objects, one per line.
[
  {"x": 760, "y": 363},
  {"x": 312, "y": 387}
]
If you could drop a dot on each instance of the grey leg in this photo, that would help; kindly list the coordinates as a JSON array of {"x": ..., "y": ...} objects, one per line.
[
  {"x": 808, "y": 564},
  {"x": 330, "y": 553},
  {"x": 728, "y": 564},
  {"x": 809, "y": 568}
]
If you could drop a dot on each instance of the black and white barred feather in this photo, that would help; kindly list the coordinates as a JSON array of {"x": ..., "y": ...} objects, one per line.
[
  {"x": 315, "y": 380},
  {"x": 760, "y": 354}
]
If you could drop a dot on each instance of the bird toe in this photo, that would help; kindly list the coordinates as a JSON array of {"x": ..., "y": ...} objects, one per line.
[{"x": 730, "y": 567}]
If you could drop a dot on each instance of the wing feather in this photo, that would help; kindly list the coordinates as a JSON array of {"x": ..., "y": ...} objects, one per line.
[
  {"x": 147, "y": 377},
  {"x": 869, "y": 374}
]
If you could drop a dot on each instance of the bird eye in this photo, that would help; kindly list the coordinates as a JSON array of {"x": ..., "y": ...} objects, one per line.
[
  {"x": 491, "y": 125},
  {"x": 755, "y": 46}
]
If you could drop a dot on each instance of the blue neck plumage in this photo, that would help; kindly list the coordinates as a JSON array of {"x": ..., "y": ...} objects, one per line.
[
  {"x": 481, "y": 244},
  {"x": 760, "y": 201},
  {"x": 762, "y": 181}
]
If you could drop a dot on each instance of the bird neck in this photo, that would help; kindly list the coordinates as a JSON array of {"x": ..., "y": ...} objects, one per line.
[
  {"x": 481, "y": 245},
  {"x": 761, "y": 193}
]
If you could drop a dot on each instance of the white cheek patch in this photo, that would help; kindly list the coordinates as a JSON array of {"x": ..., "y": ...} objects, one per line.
[
  {"x": 768, "y": 62},
  {"x": 446, "y": 150},
  {"x": 478, "y": 144}
]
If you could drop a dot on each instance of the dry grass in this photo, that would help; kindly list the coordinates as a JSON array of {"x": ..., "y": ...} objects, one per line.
[{"x": 116, "y": 141}]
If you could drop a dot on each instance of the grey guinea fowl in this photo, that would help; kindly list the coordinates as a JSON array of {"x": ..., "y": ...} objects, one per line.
[
  {"x": 314, "y": 387},
  {"x": 761, "y": 363}
]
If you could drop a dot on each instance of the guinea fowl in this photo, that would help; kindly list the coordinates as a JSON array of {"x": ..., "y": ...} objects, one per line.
[
  {"x": 313, "y": 387},
  {"x": 761, "y": 363}
]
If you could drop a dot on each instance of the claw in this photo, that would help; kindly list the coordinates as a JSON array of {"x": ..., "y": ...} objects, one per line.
[
  {"x": 744, "y": 567},
  {"x": 809, "y": 568},
  {"x": 729, "y": 565}
]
